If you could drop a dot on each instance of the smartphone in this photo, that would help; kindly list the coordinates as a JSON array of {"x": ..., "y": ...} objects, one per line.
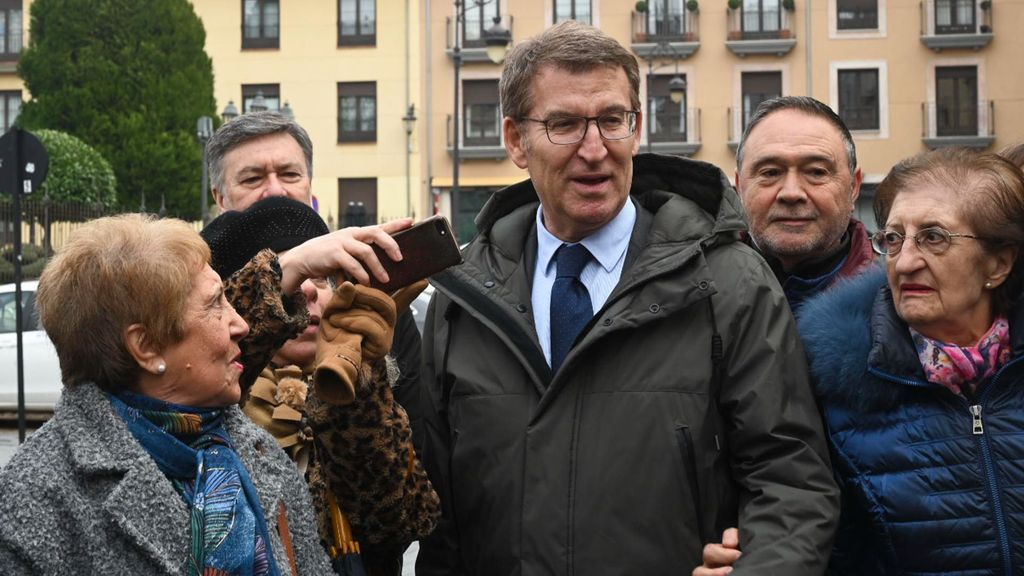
[{"x": 428, "y": 247}]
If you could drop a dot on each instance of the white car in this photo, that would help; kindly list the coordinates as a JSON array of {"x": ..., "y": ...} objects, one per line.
[
  {"x": 42, "y": 370},
  {"x": 419, "y": 307}
]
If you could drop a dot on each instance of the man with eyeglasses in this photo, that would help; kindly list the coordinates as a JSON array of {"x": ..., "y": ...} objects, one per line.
[
  {"x": 611, "y": 377},
  {"x": 797, "y": 174}
]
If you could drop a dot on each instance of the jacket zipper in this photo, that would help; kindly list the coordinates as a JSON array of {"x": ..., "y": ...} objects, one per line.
[
  {"x": 978, "y": 431},
  {"x": 688, "y": 452}
]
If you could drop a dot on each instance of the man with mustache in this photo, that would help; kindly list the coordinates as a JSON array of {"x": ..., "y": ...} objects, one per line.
[{"x": 797, "y": 175}]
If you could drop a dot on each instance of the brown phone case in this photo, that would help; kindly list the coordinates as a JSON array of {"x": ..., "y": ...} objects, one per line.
[{"x": 428, "y": 247}]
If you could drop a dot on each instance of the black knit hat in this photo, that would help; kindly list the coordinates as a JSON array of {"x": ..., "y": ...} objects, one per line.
[{"x": 278, "y": 223}]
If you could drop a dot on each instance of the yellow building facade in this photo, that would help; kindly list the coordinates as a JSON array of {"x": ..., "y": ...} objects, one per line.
[
  {"x": 905, "y": 75},
  {"x": 349, "y": 70}
]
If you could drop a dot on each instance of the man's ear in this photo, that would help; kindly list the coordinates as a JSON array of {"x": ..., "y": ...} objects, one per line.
[
  {"x": 142, "y": 348},
  {"x": 218, "y": 198},
  {"x": 515, "y": 142},
  {"x": 858, "y": 178}
]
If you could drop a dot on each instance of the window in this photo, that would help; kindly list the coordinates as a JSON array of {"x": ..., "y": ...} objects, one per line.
[
  {"x": 357, "y": 22},
  {"x": 954, "y": 16},
  {"x": 9, "y": 310},
  {"x": 572, "y": 10},
  {"x": 856, "y": 14},
  {"x": 666, "y": 18},
  {"x": 956, "y": 101},
  {"x": 482, "y": 114},
  {"x": 858, "y": 98},
  {"x": 357, "y": 201},
  {"x": 761, "y": 18},
  {"x": 251, "y": 93},
  {"x": 478, "y": 19},
  {"x": 260, "y": 23},
  {"x": 10, "y": 29},
  {"x": 758, "y": 87},
  {"x": 10, "y": 106},
  {"x": 668, "y": 119},
  {"x": 357, "y": 112}
]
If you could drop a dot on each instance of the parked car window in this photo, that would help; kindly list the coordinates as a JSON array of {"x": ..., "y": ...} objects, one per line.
[{"x": 29, "y": 319}]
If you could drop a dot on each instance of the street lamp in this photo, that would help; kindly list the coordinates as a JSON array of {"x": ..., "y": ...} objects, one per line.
[
  {"x": 409, "y": 121},
  {"x": 496, "y": 39},
  {"x": 259, "y": 103},
  {"x": 676, "y": 86},
  {"x": 230, "y": 112},
  {"x": 204, "y": 130}
]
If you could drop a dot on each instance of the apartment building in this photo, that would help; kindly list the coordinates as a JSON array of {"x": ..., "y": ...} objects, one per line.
[
  {"x": 905, "y": 75},
  {"x": 349, "y": 72},
  {"x": 374, "y": 82}
]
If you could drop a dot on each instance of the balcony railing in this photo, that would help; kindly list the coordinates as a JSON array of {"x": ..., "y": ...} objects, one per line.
[
  {"x": 759, "y": 31},
  {"x": 471, "y": 46},
  {"x": 972, "y": 126},
  {"x": 475, "y": 147},
  {"x": 952, "y": 24},
  {"x": 675, "y": 133},
  {"x": 680, "y": 32}
]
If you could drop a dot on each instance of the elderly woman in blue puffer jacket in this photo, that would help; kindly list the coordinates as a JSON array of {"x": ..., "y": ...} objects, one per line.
[{"x": 920, "y": 374}]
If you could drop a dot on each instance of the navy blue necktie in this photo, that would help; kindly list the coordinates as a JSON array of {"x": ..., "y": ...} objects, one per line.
[{"x": 570, "y": 302}]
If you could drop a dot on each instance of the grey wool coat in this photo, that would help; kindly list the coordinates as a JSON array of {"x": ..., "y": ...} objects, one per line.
[{"x": 82, "y": 496}]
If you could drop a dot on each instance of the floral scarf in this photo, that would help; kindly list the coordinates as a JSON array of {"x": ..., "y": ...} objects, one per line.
[
  {"x": 228, "y": 534},
  {"x": 955, "y": 366}
]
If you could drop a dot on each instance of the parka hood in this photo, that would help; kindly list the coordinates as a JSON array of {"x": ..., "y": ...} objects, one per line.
[{"x": 656, "y": 179}]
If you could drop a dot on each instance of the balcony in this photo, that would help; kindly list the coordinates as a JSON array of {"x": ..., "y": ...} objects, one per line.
[
  {"x": 471, "y": 41},
  {"x": 678, "y": 31},
  {"x": 487, "y": 147},
  {"x": 759, "y": 32},
  {"x": 956, "y": 24},
  {"x": 10, "y": 52},
  {"x": 970, "y": 126},
  {"x": 674, "y": 133}
]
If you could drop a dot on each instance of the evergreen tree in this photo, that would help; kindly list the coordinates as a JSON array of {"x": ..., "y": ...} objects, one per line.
[{"x": 130, "y": 78}]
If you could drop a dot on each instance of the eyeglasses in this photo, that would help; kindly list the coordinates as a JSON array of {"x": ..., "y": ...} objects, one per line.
[
  {"x": 935, "y": 240},
  {"x": 565, "y": 130}
]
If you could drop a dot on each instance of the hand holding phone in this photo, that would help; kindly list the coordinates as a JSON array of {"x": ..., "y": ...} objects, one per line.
[{"x": 428, "y": 247}]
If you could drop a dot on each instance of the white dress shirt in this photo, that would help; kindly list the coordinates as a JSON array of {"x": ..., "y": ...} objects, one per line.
[{"x": 607, "y": 246}]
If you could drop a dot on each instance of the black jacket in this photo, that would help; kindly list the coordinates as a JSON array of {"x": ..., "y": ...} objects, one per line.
[{"x": 632, "y": 456}]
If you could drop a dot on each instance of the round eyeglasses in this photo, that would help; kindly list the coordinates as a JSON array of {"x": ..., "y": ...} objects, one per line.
[
  {"x": 566, "y": 130},
  {"x": 934, "y": 240}
]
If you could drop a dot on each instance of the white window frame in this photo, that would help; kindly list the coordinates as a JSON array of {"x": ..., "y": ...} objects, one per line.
[
  {"x": 931, "y": 97},
  {"x": 834, "y": 33},
  {"x": 737, "y": 90},
  {"x": 883, "y": 94}
]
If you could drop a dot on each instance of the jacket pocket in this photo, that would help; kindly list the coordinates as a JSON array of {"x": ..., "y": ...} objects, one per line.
[{"x": 688, "y": 454}]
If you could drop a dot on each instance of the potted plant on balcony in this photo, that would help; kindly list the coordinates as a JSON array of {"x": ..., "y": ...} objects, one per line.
[
  {"x": 641, "y": 6},
  {"x": 692, "y": 6},
  {"x": 734, "y": 4},
  {"x": 789, "y": 5},
  {"x": 985, "y": 4}
]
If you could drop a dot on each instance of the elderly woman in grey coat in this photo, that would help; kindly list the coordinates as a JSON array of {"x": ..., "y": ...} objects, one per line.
[{"x": 148, "y": 466}]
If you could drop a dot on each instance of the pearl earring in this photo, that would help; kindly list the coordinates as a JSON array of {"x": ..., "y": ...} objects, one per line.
[
  {"x": 161, "y": 368},
  {"x": 988, "y": 285}
]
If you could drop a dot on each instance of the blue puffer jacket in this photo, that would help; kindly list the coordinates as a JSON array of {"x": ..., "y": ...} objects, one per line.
[{"x": 933, "y": 483}]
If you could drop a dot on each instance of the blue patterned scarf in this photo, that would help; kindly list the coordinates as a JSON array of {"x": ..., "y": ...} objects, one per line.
[{"x": 228, "y": 534}]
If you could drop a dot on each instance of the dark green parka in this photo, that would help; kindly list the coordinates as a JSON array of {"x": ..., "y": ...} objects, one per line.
[{"x": 634, "y": 454}]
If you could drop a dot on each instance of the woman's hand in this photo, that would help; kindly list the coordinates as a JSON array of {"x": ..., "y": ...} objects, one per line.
[
  {"x": 719, "y": 558},
  {"x": 347, "y": 250}
]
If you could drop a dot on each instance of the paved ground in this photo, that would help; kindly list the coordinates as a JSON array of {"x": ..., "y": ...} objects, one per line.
[{"x": 9, "y": 443}]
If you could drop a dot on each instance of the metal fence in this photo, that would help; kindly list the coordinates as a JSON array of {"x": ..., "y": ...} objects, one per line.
[{"x": 45, "y": 227}]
